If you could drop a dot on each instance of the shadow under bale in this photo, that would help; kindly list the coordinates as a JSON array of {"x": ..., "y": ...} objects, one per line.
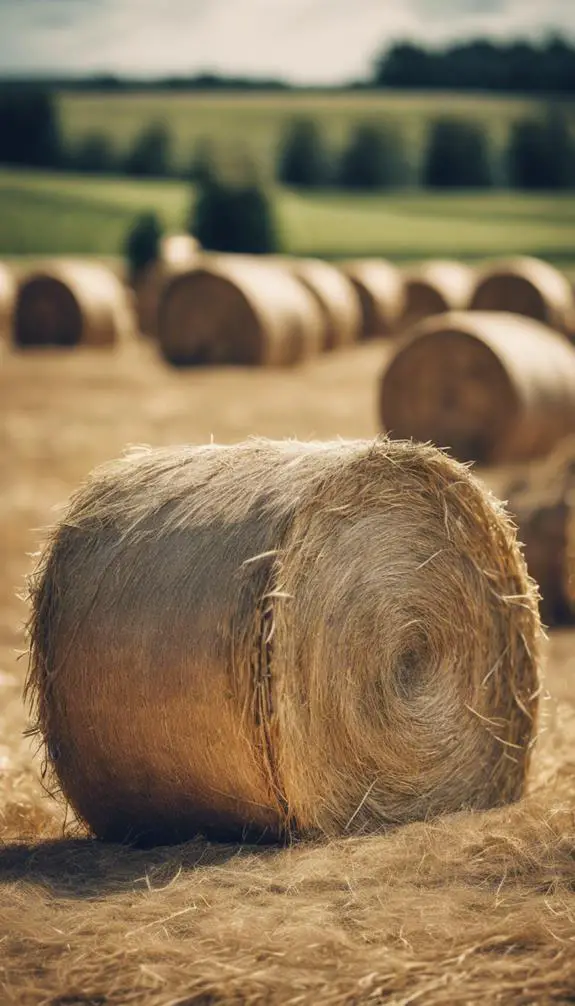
[{"x": 279, "y": 639}]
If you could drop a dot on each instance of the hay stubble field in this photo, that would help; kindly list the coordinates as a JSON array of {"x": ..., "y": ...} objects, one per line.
[{"x": 469, "y": 908}]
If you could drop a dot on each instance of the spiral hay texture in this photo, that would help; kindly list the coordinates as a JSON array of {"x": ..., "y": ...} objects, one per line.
[
  {"x": 435, "y": 288},
  {"x": 492, "y": 387},
  {"x": 380, "y": 288},
  {"x": 529, "y": 287},
  {"x": 336, "y": 298},
  {"x": 283, "y": 638},
  {"x": 72, "y": 303},
  {"x": 236, "y": 309}
]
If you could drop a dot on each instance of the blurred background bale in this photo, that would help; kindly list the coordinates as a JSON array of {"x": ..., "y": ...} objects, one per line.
[
  {"x": 434, "y": 287},
  {"x": 526, "y": 286},
  {"x": 7, "y": 297},
  {"x": 240, "y": 310},
  {"x": 217, "y": 598},
  {"x": 71, "y": 303},
  {"x": 380, "y": 288},
  {"x": 336, "y": 297},
  {"x": 492, "y": 387}
]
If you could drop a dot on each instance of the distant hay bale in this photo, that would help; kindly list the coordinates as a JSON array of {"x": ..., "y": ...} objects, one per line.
[
  {"x": 72, "y": 303},
  {"x": 178, "y": 252},
  {"x": 178, "y": 249},
  {"x": 283, "y": 638},
  {"x": 239, "y": 310},
  {"x": 336, "y": 298},
  {"x": 434, "y": 288},
  {"x": 530, "y": 287},
  {"x": 542, "y": 501},
  {"x": 492, "y": 387},
  {"x": 7, "y": 294},
  {"x": 380, "y": 288}
]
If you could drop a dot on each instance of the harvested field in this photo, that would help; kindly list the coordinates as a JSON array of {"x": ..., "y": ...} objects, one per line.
[{"x": 469, "y": 908}]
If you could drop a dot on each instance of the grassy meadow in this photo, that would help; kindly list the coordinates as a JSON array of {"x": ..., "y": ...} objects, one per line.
[
  {"x": 44, "y": 214},
  {"x": 254, "y": 123}
]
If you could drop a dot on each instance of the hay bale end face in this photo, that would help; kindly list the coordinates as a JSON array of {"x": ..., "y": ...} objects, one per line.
[
  {"x": 336, "y": 297},
  {"x": 283, "y": 638},
  {"x": 530, "y": 287},
  {"x": 72, "y": 303},
  {"x": 238, "y": 310},
  {"x": 435, "y": 288},
  {"x": 380, "y": 288},
  {"x": 492, "y": 387}
]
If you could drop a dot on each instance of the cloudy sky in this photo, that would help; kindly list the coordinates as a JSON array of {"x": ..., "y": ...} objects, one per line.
[{"x": 311, "y": 41}]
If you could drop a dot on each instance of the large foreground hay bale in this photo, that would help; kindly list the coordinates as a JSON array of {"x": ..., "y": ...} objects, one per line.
[
  {"x": 336, "y": 298},
  {"x": 529, "y": 287},
  {"x": 72, "y": 303},
  {"x": 237, "y": 309},
  {"x": 277, "y": 638},
  {"x": 380, "y": 289},
  {"x": 492, "y": 387},
  {"x": 7, "y": 294},
  {"x": 434, "y": 288}
]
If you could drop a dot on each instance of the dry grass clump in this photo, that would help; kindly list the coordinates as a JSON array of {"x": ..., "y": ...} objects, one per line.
[
  {"x": 470, "y": 908},
  {"x": 283, "y": 638},
  {"x": 435, "y": 287},
  {"x": 241, "y": 310},
  {"x": 72, "y": 303},
  {"x": 530, "y": 287},
  {"x": 380, "y": 288},
  {"x": 493, "y": 387}
]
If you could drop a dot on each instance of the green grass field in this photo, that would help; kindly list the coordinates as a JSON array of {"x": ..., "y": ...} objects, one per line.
[
  {"x": 61, "y": 214},
  {"x": 254, "y": 122}
]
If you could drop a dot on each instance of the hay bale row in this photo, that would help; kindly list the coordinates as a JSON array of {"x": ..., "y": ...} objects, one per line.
[
  {"x": 380, "y": 289},
  {"x": 336, "y": 298},
  {"x": 492, "y": 387},
  {"x": 283, "y": 638}
]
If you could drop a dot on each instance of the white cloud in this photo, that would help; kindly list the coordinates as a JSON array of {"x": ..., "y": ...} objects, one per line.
[{"x": 305, "y": 40}]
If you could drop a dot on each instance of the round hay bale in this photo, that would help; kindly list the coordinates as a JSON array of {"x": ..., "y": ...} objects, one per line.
[
  {"x": 283, "y": 638},
  {"x": 545, "y": 516},
  {"x": 178, "y": 249},
  {"x": 7, "y": 295},
  {"x": 336, "y": 297},
  {"x": 529, "y": 287},
  {"x": 492, "y": 387},
  {"x": 72, "y": 303},
  {"x": 238, "y": 310},
  {"x": 435, "y": 288},
  {"x": 381, "y": 292}
]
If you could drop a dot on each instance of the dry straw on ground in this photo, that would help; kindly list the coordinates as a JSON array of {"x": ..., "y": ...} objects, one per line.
[
  {"x": 283, "y": 638},
  {"x": 380, "y": 289},
  {"x": 435, "y": 287},
  {"x": 72, "y": 303},
  {"x": 237, "y": 309},
  {"x": 530, "y": 287},
  {"x": 336, "y": 297},
  {"x": 493, "y": 387}
]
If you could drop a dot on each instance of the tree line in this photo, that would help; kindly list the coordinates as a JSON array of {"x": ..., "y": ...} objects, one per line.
[{"x": 539, "y": 153}]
